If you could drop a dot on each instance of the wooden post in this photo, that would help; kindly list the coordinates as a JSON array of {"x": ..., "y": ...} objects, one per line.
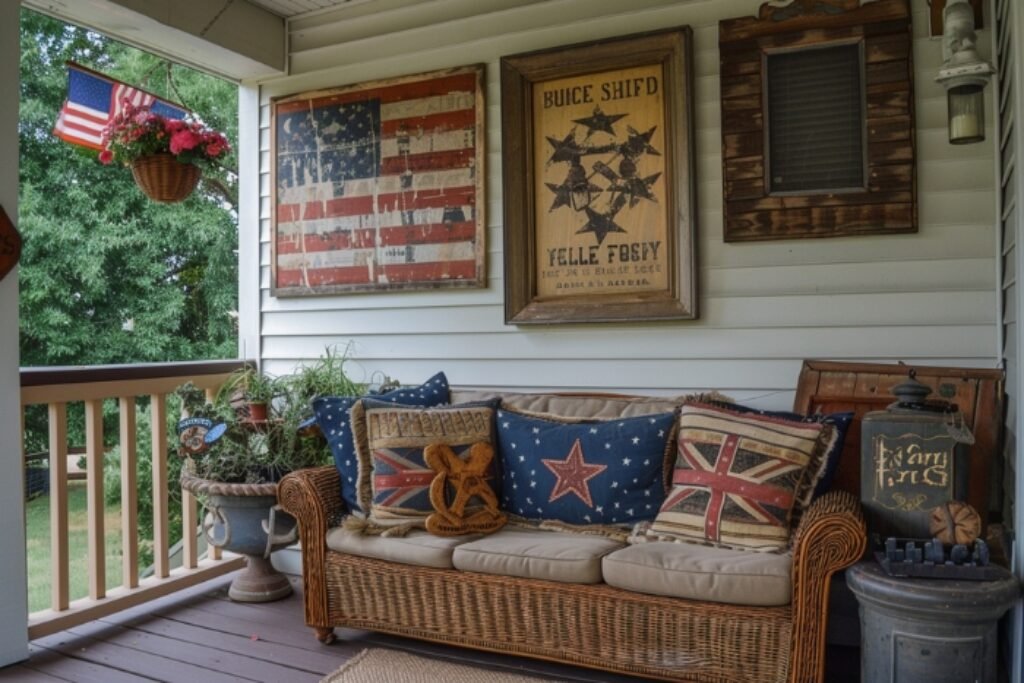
[
  {"x": 213, "y": 551},
  {"x": 58, "y": 506},
  {"x": 129, "y": 495},
  {"x": 94, "y": 498},
  {"x": 158, "y": 413}
]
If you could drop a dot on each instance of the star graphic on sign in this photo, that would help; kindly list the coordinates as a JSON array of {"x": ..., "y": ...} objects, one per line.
[
  {"x": 563, "y": 192},
  {"x": 638, "y": 143},
  {"x": 566, "y": 149},
  {"x": 563, "y": 195},
  {"x": 599, "y": 121},
  {"x": 636, "y": 189},
  {"x": 572, "y": 475},
  {"x": 599, "y": 224}
]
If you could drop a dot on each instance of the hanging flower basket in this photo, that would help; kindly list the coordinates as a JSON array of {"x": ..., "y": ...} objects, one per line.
[
  {"x": 163, "y": 178},
  {"x": 166, "y": 155}
]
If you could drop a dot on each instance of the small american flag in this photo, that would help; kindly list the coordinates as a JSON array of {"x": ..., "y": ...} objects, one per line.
[
  {"x": 379, "y": 186},
  {"x": 94, "y": 99}
]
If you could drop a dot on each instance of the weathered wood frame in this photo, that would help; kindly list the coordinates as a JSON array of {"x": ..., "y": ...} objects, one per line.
[
  {"x": 888, "y": 203},
  {"x": 672, "y": 49}
]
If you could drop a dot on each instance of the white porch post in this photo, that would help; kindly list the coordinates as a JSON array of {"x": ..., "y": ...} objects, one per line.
[
  {"x": 249, "y": 223},
  {"x": 13, "y": 599}
]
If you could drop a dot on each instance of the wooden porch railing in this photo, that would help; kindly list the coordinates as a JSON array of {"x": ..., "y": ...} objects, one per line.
[{"x": 56, "y": 387}]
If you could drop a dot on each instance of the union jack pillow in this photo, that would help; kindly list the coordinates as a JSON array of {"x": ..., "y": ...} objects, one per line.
[
  {"x": 740, "y": 478},
  {"x": 332, "y": 416},
  {"x": 394, "y": 477}
]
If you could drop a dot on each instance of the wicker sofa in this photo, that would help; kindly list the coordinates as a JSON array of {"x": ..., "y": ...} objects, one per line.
[{"x": 594, "y": 625}]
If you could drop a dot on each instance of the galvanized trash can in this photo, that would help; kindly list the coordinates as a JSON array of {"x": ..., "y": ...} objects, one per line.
[{"x": 927, "y": 630}]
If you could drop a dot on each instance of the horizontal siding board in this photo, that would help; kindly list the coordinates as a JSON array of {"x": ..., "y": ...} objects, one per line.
[
  {"x": 765, "y": 306},
  {"x": 703, "y": 343},
  {"x": 847, "y": 310},
  {"x": 819, "y": 279}
]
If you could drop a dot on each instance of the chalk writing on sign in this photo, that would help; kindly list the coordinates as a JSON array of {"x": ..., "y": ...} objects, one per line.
[{"x": 911, "y": 472}]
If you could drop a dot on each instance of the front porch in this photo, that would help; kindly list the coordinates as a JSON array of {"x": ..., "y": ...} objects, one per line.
[{"x": 199, "y": 635}]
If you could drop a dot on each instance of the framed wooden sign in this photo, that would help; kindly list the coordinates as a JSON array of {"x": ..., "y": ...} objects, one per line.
[
  {"x": 379, "y": 186},
  {"x": 817, "y": 104},
  {"x": 598, "y": 182}
]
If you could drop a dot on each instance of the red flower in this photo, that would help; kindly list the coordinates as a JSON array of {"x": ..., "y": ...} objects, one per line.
[
  {"x": 106, "y": 156},
  {"x": 173, "y": 125},
  {"x": 184, "y": 140}
]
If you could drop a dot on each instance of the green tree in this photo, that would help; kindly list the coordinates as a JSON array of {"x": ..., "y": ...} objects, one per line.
[{"x": 106, "y": 275}]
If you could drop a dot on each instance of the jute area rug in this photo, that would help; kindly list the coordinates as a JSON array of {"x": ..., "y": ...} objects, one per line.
[{"x": 378, "y": 665}]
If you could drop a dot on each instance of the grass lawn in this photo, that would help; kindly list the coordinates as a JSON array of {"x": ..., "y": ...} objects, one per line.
[{"x": 37, "y": 536}]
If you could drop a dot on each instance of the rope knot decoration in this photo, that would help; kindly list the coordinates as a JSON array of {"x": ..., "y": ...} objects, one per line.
[{"x": 468, "y": 479}]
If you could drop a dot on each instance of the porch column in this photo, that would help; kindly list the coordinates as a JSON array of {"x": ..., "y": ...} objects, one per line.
[{"x": 13, "y": 599}]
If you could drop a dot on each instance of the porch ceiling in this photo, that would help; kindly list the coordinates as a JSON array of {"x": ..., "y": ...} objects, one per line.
[
  {"x": 237, "y": 39},
  {"x": 292, "y": 8}
]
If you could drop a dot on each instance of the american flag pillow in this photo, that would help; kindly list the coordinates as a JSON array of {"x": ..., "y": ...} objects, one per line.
[{"x": 738, "y": 478}]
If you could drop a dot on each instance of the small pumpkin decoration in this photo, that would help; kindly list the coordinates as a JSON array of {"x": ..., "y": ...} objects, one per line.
[{"x": 955, "y": 523}]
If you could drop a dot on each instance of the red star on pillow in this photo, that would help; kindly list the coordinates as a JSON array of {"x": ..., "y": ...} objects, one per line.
[{"x": 572, "y": 475}]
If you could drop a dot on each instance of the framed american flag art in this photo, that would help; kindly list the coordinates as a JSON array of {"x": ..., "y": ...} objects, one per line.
[{"x": 379, "y": 186}]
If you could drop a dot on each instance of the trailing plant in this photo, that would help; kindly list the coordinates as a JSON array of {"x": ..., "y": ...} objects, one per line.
[{"x": 241, "y": 450}]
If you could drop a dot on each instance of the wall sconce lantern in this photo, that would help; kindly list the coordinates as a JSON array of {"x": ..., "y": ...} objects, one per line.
[{"x": 964, "y": 74}]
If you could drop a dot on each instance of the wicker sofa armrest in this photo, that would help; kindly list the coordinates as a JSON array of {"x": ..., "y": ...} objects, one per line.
[
  {"x": 831, "y": 536},
  {"x": 313, "y": 496}
]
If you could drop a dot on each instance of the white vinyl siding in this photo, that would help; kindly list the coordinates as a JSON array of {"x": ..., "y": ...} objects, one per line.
[
  {"x": 1009, "y": 98},
  {"x": 928, "y": 297}
]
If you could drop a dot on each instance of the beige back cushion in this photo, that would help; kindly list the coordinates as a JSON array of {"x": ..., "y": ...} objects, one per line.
[{"x": 582, "y": 406}]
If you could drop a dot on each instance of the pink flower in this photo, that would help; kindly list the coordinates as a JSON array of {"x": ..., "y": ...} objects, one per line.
[
  {"x": 173, "y": 125},
  {"x": 106, "y": 156},
  {"x": 184, "y": 140},
  {"x": 214, "y": 149}
]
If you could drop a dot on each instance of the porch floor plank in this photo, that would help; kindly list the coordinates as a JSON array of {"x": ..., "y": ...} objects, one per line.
[
  {"x": 70, "y": 667},
  {"x": 258, "y": 646},
  {"x": 198, "y": 635},
  {"x": 209, "y": 656}
]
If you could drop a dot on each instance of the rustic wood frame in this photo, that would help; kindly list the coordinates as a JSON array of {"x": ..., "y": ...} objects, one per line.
[
  {"x": 672, "y": 51},
  {"x": 888, "y": 203},
  {"x": 476, "y": 279}
]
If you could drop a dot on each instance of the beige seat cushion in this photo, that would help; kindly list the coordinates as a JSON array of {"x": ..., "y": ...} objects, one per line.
[
  {"x": 534, "y": 554},
  {"x": 417, "y": 547},
  {"x": 696, "y": 572}
]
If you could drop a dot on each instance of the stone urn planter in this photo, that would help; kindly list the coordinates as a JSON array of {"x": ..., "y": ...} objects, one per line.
[{"x": 245, "y": 519}]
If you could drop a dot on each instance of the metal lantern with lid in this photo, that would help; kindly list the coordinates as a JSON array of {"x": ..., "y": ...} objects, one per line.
[{"x": 913, "y": 458}]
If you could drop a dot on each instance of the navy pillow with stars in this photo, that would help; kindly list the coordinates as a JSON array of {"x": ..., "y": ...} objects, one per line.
[
  {"x": 332, "y": 416},
  {"x": 583, "y": 472}
]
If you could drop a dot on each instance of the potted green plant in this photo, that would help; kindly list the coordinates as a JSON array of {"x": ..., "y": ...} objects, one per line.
[{"x": 233, "y": 466}]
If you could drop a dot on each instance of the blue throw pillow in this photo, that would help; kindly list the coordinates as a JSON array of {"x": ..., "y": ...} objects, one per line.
[
  {"x": 332, "y": 416},
  {"x": 841, "y": 422},
  {"x": 583, "y": 472}
]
